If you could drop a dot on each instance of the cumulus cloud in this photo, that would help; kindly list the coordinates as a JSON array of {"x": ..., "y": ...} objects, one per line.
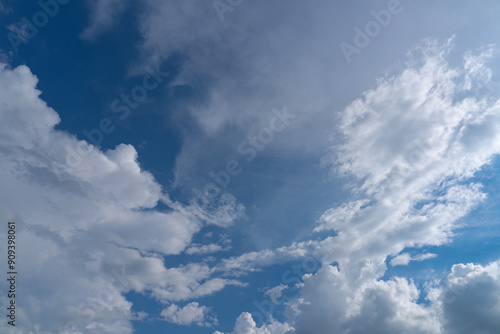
[
  {"x": 405, "y": 140},
  {"x": 246, "y": 325},
  {"x": 409, "y": 149},
  {"x": 412, "y": 144},
  {"x": 91, "y": 218},
  {"x": 192, "y": 313},
  {"x": 470, "y": 303},
  {"x": 332, "y": 305},
  {"x": 409, "y": 146}
]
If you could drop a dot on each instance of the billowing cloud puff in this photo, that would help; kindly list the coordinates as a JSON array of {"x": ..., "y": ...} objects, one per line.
[
  {"x": 331, "y": 305},
  {"x": 246, "y": 325},
  {"x": 192, "y": 313},
  {"x": 405, "y": 258},
  {"x": 90, "y": 231},
  {"x": 470, "y": 303},
  {"x": 410, "y": 145}
]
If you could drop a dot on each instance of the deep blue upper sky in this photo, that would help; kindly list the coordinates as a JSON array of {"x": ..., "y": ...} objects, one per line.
[{"x": 390, "y": 154}]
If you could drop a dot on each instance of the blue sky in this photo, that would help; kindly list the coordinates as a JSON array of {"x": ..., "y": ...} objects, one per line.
[{"x": 251, "y": 167}]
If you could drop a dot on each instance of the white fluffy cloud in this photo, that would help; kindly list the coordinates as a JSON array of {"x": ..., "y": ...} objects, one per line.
[
  {"x": 246, "y": 325},
  {"x": 91, "y": 219},
  {"x": 471, "y": 301},
  {"x": 467, "y": 302},
  {"x": 411, "y": 145},
  {"x": 192, "y": 313}
]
